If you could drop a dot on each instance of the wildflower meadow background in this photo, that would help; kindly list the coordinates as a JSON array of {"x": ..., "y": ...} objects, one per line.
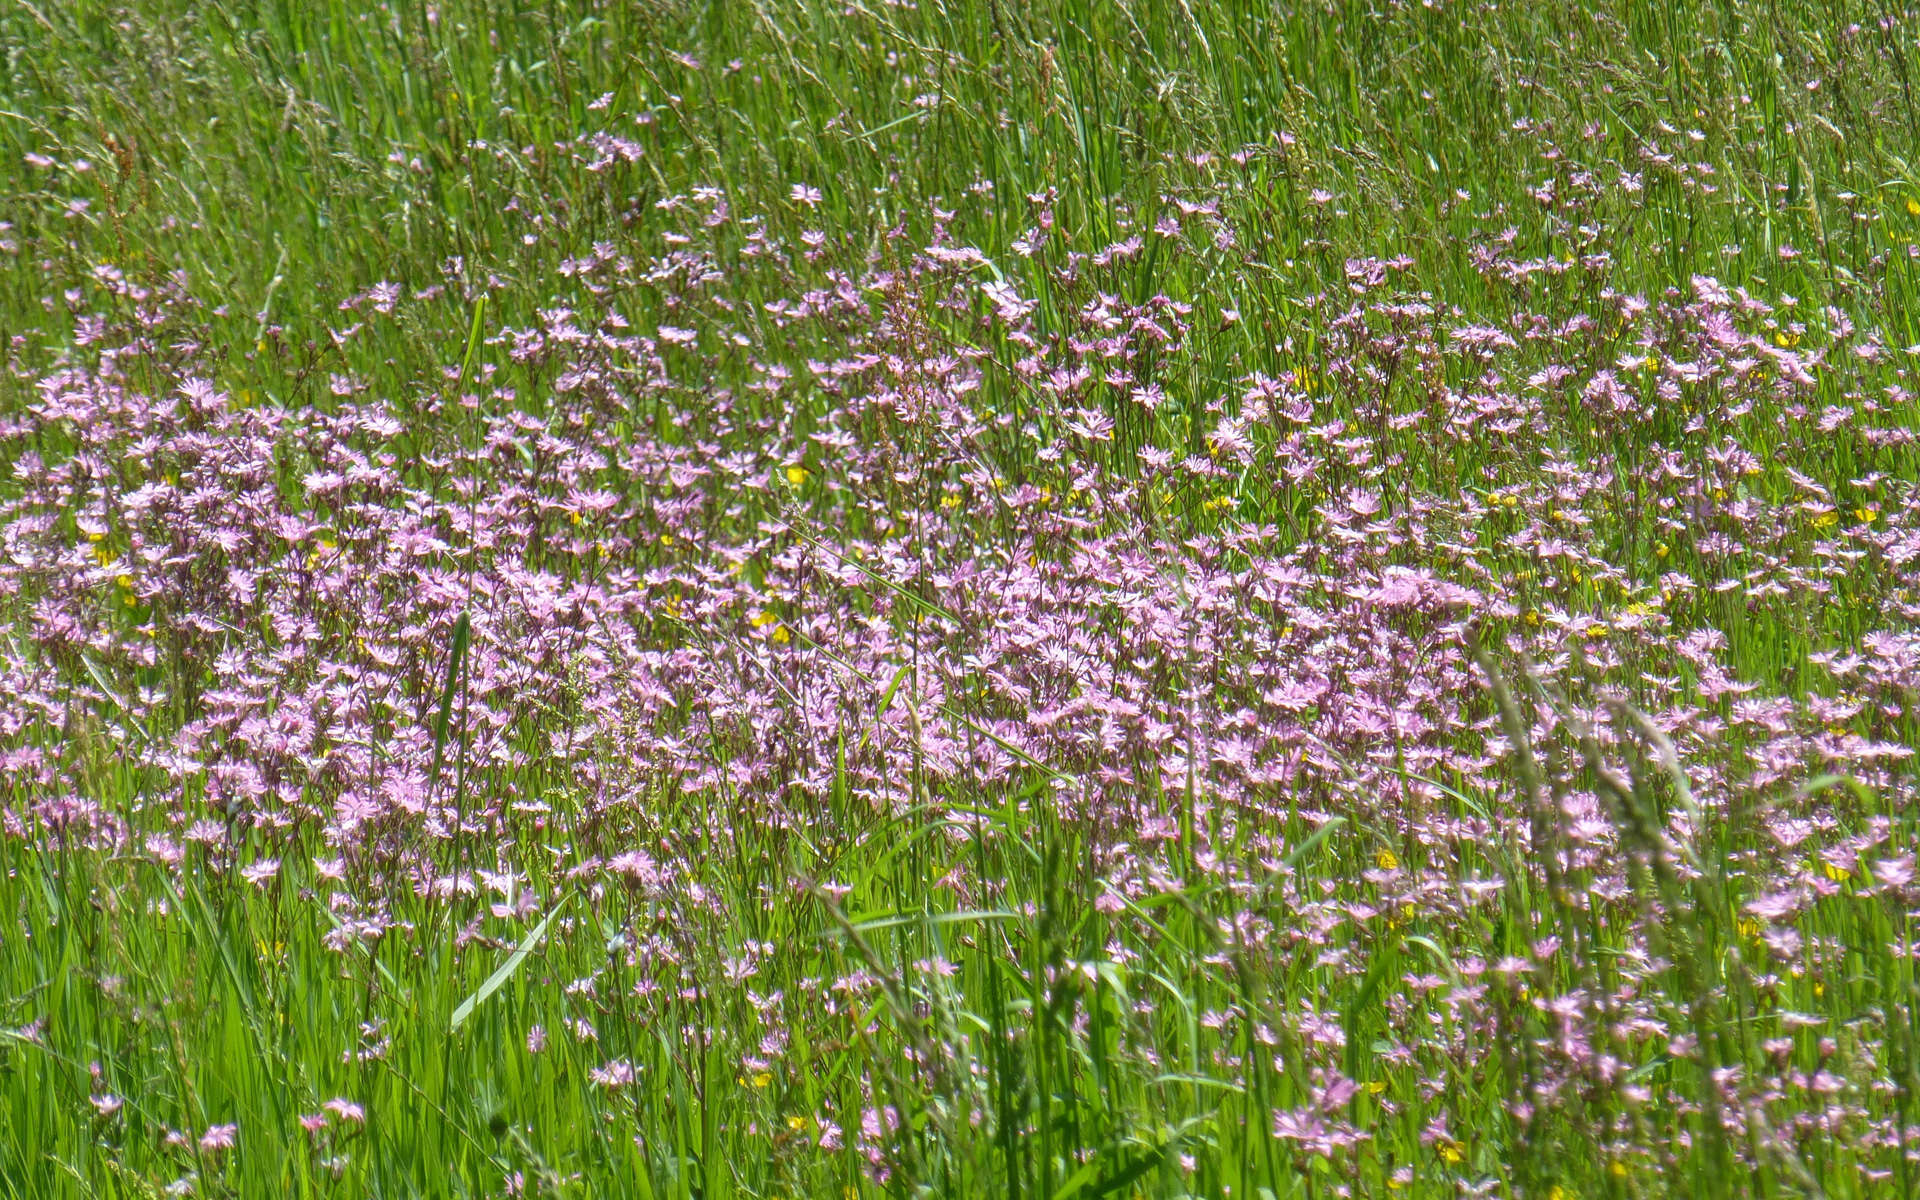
[{"x": 1056, "y": 599}]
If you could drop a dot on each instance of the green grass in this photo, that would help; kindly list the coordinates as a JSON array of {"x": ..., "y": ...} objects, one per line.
[{"x": 248, "y": 146}]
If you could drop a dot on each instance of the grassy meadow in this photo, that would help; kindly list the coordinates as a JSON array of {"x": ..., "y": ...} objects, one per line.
[{"x": 1166, "y": 598}]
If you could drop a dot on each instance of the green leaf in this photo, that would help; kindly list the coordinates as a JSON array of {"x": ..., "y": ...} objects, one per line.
[
  {"x": 506, "y": 969},
  {"x": 462, "y": 636}
]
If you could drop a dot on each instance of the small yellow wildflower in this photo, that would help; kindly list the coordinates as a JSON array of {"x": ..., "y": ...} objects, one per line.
[
  {"x": 1913, "y": 208},
  {"x": 1386, "y": 860},
  {"x": 1825, "y": 520},
  {"x": 1451, "y": 1152},
  {"x": 1660, "y": 550},
  {"x": 763, "y": 1079},
  {"x": 797, "y": 475},
  {"x": 796, "y": 1123},
  {"x": 1377, "y": 1086}
]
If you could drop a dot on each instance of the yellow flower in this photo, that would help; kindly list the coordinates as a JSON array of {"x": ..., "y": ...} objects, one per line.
[
  {"x": 1386, "y": 860},
  {"x": 1556, "y": 1192},
  {"x": 1617, "y": 1169},
  {"x": 1825, "y": 520},
  {"x": 1785, "y": 340},
  {"x": 1377, "y": 1086},
  {"x": 796, "y": 1123},
  {"x": 1660, "y": 550},
  {"x": 1837, "y": 874},
  {"x": 763, "y": 1079},
  {"x": 796, "y": 475},
  {"x": 1451, "y": 1152},
  {"x": 1913, "y": 208}
]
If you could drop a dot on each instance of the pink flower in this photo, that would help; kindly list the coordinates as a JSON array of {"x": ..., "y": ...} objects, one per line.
[{"x": 218, "y": 1138}]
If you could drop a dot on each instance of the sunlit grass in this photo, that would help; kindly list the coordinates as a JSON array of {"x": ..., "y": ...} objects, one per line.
[{"x": 1019, "y": 1022}]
